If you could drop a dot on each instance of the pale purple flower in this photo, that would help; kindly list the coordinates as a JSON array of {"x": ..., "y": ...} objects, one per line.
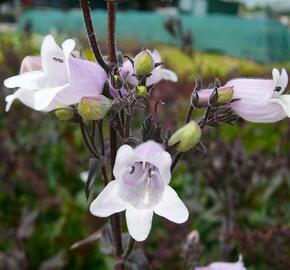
[
  {"x": 141, "y": 188},
  {"x": 261, "y": 100},
  {"x": 158, "y": 73},
  {"x": 57, "y": 79},
  {"x": 224, "y": 266}
]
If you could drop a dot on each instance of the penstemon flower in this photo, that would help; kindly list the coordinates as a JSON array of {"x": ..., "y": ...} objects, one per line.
[
  {"x": 141, "y": 188},
  {"x": 224, "y": 266},
  {"x": 158, "y": 74},
  {"x": 56, "y": 79},
  {"x": 260, "y": 100}
]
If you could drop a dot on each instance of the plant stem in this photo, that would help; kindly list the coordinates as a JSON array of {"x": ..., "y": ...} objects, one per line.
[
  {"x": 103, "y": 152},
  {"x": 130, "y": 248},
  {"x": 116, "y": 220},
  {"x": 86, "y": 139},
  {"x": 85, "y": 6},
  {"x": 112, "y": 10}
]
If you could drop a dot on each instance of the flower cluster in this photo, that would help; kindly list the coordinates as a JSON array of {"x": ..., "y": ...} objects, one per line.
[{"x": 78, "y": 89}]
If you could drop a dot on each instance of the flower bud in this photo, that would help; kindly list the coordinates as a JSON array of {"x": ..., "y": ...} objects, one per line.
[
  {"x": 141, "y": 90},
  {"x": 225, "y": 95},
  {"x": 64, "y": 114},
  {"x": 143, "y": 63},
  {"x": 186, "y": 137},
  {"x": 94, "y": 108}
]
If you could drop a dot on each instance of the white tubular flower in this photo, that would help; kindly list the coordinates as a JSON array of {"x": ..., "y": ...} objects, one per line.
[
  {"x": 56, "y": 78},
  {"x": 141, "y": 189}
]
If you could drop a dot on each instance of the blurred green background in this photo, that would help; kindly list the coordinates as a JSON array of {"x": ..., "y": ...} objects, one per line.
[{"x": 237, "y": 192}]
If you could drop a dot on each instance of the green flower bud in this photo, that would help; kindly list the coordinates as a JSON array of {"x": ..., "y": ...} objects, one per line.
[
  {"x": 94, "y": 108},
  {"x": 186, "y": 137},
  {"x": 225, "y": 95},
  {"x": 141, "y": 90},
  {"x": 64, "y": 114},
  {"x": 143, "y": 64}
]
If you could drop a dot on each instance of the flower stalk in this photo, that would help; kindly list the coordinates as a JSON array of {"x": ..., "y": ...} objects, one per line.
[{"x": 85, "y": 6}]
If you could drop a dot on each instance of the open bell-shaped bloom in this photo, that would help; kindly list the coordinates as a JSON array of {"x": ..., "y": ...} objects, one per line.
[
  {"x": 56, "y": 78},
  {"x": 158, "y": 74},
  {"x": 260, "y": 100},
  {"x": 224, "y": 266},
  {"x": 141, "y": 188}
]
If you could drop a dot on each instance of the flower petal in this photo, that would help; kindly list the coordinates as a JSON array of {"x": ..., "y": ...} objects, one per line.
[
  {"x": 252, "y": 91},
  {"x": 156, "y": 56},
  {"x": 139, "y": 222},
  {"x": 125, "y": 155},
  {"x": 108, "y": 202},
  {"x": 44, "y": 97},
  {"x": 159, "y": 74},
  {"x": 280, "y": 80},
  {"x": 127, "y": 72},
  {"x": 24, "y": 95},
  {"x": 54, "y": 63},
  {"x": 268, "y": 113},
  {"x": 284, "y": 102},
  {"x": 30, "y": 63},
  {"x": 171, "y": 207},
  {"x": 68, "y": 46},
  {"x": 28, "y": 80},
  {"x": 154, "y": 153}
]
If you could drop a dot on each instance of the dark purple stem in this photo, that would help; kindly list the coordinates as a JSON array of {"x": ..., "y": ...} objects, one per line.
[{"x": 91, "y": 35}]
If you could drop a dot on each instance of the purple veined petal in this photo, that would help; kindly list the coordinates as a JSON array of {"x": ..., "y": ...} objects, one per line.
[
  {"x": 28, "y": 80},
  {"x": 171, "y": 207},
  {"x": 125, "y": 156},
  {"x": 30, "y": 63},
  {"x": 280, "y": 80},
  {"x": 284, "y": 102},
  {"x": 108, "y": 201},
  {"x": 159, "y": 74},
  {"x": 139, "y": 222},
  {"x": 155, "y": 154},
  {"x": 268, "y": 113},
  {"x": 141, "y": 185},
  {"x": 252, "y": 91},
  {"x": 202, "y": 268}
]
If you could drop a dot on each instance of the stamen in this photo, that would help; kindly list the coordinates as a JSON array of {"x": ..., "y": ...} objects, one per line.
[
  {"x": 150, "y": 173},
  {"x": 57, "y": 60},
  {"x": 144, "y": 165},
  {"x": 147, "y": 191},
  {"x": 132, "y": 170}
]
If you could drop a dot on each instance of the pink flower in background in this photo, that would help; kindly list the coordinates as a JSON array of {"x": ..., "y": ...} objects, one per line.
[
  {"x": 158, "y": 73},
  {"x": 224, "y": 266},
  {"x": 261, "y": 100},
  {"x": 55, "y": 79},
  {"x": 141, "y": 188}
]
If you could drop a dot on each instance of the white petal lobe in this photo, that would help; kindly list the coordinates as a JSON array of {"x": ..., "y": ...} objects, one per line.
[
  {"x": 108, "y": 202},
  {"x": 171, "y": 207},
  {"x": 139, "y": 222}
]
